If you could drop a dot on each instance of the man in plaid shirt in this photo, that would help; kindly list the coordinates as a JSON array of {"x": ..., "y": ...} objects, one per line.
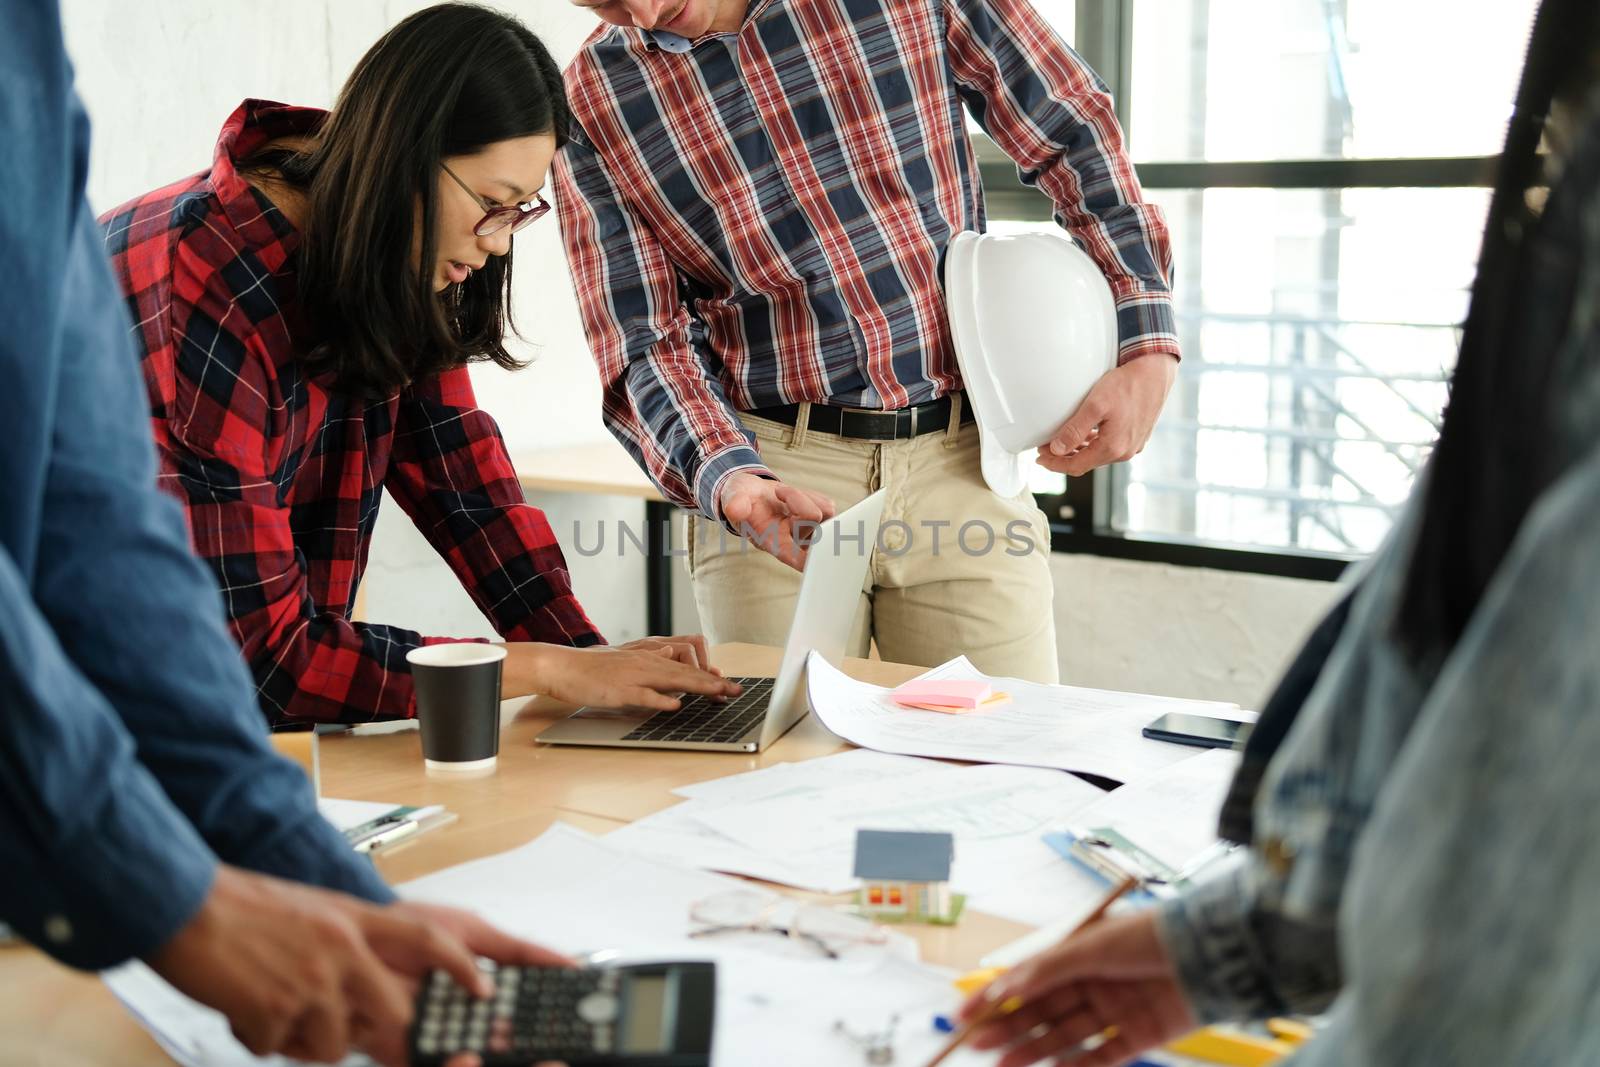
[{"x": 755, "y": 201}]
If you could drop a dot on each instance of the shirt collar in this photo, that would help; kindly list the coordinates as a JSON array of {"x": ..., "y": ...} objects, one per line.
[
  {"x": 668, "y": 42},
  {"x": 672, "y": 42},
  {"x": 251, "y": 126}
]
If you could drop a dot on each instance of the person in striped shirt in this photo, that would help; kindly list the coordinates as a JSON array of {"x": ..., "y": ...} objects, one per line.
[{"x": 755, "y": 200}]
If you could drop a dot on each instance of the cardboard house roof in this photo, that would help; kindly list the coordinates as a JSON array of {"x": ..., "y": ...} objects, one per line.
[{"x": 903, "y": 856}]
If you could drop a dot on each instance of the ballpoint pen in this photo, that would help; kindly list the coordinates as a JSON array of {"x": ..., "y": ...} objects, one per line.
[
  {"x": 357, "y": 834},
  {"x": 383, "y": 838}
]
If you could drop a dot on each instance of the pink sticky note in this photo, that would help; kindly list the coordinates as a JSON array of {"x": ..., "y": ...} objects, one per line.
[
  {"x": 950, "y": 693},
  {"x": 993, "y": 701}
]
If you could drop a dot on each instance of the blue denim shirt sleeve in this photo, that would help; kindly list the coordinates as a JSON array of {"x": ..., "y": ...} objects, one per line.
[
  {"x": 1423, "y": 845},
  {"x": 132, "y": 755},
  {"x": 1476, "y": 882},
  {"x": 1262, "y": 939},
  {"x": 100, "y": 865},
  {"x": 1238, "y": 956},
  {"x": 1475, "y": 862}
]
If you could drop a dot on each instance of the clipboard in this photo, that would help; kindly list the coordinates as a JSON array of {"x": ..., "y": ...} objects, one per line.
[
  {"x": 1108, "y": 854},
  {"x": 396, "y": 826}
]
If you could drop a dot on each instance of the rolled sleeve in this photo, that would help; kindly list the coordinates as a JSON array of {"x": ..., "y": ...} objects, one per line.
[
  {"x": 312, "y": 851},
  {"x": 715, "y": 472},
  {"x": 1239, "y": 957},
  {"x": 125, "y": 887},
  {"x": 1207, "y": 935},
  {"x": 1054, "y": 117},
  {"x": 664, "y": 397}
]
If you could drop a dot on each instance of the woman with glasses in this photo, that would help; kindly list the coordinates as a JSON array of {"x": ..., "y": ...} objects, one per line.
[{"x": 306, "y": 310}]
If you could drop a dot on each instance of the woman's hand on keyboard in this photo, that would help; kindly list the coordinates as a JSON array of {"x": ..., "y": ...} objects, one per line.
[
  {"x": 623, "y": 677},
  {"x": 685, "y": 648}
]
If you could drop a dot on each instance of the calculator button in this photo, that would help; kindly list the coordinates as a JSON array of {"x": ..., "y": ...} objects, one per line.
[{"x": 598, "y": 1008}]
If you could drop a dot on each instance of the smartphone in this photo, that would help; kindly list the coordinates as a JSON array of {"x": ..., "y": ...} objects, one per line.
[
  {"x": 648, "y": 1015},
  {"x": 1200, "y": 730}
]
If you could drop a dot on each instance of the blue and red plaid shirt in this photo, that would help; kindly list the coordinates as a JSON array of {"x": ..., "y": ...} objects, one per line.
[
  {"x": 281, "y": 474},
  {"x": 760, "y": 218}
]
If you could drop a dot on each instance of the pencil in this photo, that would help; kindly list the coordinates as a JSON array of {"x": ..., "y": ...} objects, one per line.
[{"x": 1006, "y": 1007}]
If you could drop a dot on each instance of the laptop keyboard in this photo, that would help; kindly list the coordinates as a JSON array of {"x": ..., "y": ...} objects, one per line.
[{"x": 709, "y": 721}]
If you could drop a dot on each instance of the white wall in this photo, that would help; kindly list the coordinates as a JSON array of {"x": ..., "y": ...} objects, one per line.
[
  {"x": 1179, "y": 631},
  {"x": 159, "y": 78}
]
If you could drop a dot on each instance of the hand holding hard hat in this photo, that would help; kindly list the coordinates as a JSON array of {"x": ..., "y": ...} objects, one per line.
[
  {"x": 1115, "y": 420},
  {"x": 1035, "y": 330}
]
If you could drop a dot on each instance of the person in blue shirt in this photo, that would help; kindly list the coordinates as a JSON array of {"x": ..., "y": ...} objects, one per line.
[{"x": 143, "y": 813}]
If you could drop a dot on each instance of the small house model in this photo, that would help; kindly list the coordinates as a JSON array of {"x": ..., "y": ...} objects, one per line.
[{"x": 905, "y": 875}]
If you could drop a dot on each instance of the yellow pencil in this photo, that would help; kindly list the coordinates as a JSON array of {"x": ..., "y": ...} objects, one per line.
[{"x": 1011, "y": 1004}]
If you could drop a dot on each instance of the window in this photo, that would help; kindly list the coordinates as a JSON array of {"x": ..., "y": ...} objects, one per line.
[
  {"x": 1323, "y": 166},
  {"x": 1322, "y": 79}
]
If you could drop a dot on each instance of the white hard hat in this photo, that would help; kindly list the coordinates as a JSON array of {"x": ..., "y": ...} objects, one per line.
[{"x": 1035, "y": 327}]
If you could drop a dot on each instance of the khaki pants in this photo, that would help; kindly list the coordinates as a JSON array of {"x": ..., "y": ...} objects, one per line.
[{"x": 955, "y": 569}]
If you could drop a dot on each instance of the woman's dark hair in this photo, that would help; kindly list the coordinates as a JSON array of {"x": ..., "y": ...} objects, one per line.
[
  {"x": 449, "y": 80},
  {"x": 1492, "y": 460}
]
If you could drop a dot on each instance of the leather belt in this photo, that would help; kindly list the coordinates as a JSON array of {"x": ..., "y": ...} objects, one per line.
[{"x": 898, "y": 425}]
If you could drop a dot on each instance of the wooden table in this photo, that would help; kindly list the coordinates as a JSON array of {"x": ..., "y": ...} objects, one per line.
[
  {"x": 50, "y": 1015},
  {"x": 604, "y": 469}
]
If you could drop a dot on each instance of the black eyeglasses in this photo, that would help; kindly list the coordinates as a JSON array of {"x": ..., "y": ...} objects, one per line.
[{"x": 498, "y": 216}]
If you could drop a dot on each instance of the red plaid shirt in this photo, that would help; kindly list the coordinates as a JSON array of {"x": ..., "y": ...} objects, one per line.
[{"x": 281, "y": 474}]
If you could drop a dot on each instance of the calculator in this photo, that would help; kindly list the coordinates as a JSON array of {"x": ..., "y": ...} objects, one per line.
[{"x": 644, "y": 1015}]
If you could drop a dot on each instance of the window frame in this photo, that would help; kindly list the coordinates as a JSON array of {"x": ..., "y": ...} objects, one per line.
[{"x": 1079, "y": 518}]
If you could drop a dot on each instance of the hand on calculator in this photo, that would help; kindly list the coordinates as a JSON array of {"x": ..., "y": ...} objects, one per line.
[{"x": 479, "y": 938}]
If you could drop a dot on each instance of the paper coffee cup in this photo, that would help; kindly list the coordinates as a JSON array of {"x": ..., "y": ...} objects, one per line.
[{"x": 458, "y": 705}]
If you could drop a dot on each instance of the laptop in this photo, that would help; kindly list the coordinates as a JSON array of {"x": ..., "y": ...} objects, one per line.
[{"x": 830, "y": 589}]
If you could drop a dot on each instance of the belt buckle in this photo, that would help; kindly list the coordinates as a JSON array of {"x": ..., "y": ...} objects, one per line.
[{"x": 916, "y": 410}]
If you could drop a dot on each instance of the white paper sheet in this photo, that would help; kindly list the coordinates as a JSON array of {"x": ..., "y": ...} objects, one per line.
[
  {"x": 1091, "y": 730},
  {"x": 1050, "y": 891},
  {"x": 997, "y": 814},
  {"x": 813, "y": 775},
  {"x": 1171, "y": 814},
  {"x": 678, "y": 835},
  {"x": 191, "y": 1033},
  {"x": 1051, "y": 933},
  {"x": 776, "y": 1002},
  {"x": 782, "y": 1022}
]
